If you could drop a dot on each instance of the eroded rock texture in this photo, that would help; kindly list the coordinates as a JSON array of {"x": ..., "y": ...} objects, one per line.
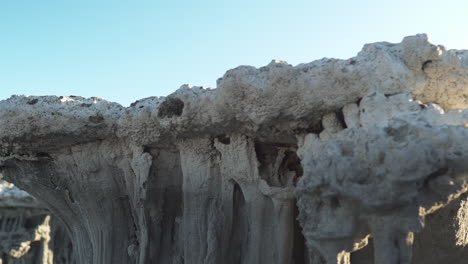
[
  {"x": 28, "y": 234},
  {"x": 381, "y": 178},
  {"x": 356, "y": 150}
]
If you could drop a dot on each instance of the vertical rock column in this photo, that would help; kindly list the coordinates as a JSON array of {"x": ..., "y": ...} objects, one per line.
[
  {"x": 270, "y": 210},
  {"x": 201, "y": 214},
  {"x": 239, "y": 167},
  {"x": 378, "y": 182}
]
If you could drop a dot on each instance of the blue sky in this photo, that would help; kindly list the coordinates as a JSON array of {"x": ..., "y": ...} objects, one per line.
[{"x": 126, "y": 50}]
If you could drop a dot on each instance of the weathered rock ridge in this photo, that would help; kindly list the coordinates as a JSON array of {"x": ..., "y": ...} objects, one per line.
[{"x": 354, "y": 149}]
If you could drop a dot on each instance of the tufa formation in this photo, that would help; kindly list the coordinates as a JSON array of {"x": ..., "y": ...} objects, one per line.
[{"x": 356, "y": 161}]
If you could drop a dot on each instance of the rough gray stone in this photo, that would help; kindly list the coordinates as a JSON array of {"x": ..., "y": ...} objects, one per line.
[{"x": 367, "y": 146}]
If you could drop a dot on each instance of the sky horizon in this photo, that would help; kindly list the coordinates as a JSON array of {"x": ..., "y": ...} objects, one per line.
[{"x": 124, "y": 51}]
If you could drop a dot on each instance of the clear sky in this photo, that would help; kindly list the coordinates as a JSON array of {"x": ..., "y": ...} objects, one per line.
[{"x": 126, "y": 50}]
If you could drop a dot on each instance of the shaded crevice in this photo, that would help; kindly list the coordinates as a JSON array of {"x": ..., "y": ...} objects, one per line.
[
  {"x": 32, "y": 101},
  {"x": 279, "y": 165},
  {"x": 164, "y": 205},
  {"x": 315, "y": 128},
  {"x": 358, "y": 102},
  {"x": 239, "y": 232},
  {"x": 425, "y": 64},
  {"x": 172, "y": 106},
  {"x": 43, "y": 155},
  {"x": 341, "y": 119},
  {"x": 299, "y": 247},
  {"x": 70, "y": 196},
  {"x": 291, "y": 164},
  {"x": 226, "y": 140}
]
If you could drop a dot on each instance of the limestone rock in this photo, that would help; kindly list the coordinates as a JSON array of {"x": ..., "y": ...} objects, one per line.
[
  {"x": 361, "y": 148},
  {"x": 380, "y": 179}
]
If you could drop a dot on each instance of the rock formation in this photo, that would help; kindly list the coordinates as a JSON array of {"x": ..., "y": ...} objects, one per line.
[
  {"x": 28, "y": 234},
  {"x": 356, "y": 150}
]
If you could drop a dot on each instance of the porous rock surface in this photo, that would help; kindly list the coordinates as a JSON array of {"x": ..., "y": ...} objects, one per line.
[{"x": 356, "y": 150}]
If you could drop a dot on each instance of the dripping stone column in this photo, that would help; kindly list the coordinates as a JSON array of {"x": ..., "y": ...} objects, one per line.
[
  {"x": 415, "y": 167},
  {"x": 201, "y": 213},
  {"x": 269, "y": 210}
]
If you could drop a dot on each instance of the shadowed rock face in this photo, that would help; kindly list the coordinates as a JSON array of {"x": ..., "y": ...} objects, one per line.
[
  {"x": 27, "y": 233},
  {"x": 381, "y": 178},
  {"x": 355, "y": 149}
]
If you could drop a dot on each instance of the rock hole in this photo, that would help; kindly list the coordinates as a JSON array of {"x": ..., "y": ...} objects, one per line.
[
  {"x": 43, "y": 155},
  {"x": 224, "y": 139},
  {"x": 96, "y": 118},
  {"x": 266, "y": 156},
  {"x": 279, "y": 165},
  {"x": 425, "y": 64},
  {"x": 334, "y": 202},
  {"x": 340, "y": 117},
  {"x": 290, "y": 163},
  {"x": 315, "y": 128},
  {"x": 146, "y": 149},
  {"x": 32, "y": 102},
  {"x": 359, "y": 101},
  {"x": 171, "y": 107},
  {"x": 34, "y": 221}
]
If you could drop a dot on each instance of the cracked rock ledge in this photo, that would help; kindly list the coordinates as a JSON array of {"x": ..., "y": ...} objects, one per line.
[{"x": 362, "y": 160}]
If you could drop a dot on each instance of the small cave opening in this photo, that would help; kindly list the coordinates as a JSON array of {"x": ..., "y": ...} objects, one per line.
[
  {"x": 172, "y": 106},
  {"x": 291, "y": 164},
  {"x": 279, "y": 164},
  {"x": 425, "y": 64},
  {"x": 224, "y": 139}
]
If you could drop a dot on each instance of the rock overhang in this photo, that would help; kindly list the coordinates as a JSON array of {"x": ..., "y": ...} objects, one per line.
[
  {"x": 275, "y": 97},
  {"x": 390, "y": 94}
]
